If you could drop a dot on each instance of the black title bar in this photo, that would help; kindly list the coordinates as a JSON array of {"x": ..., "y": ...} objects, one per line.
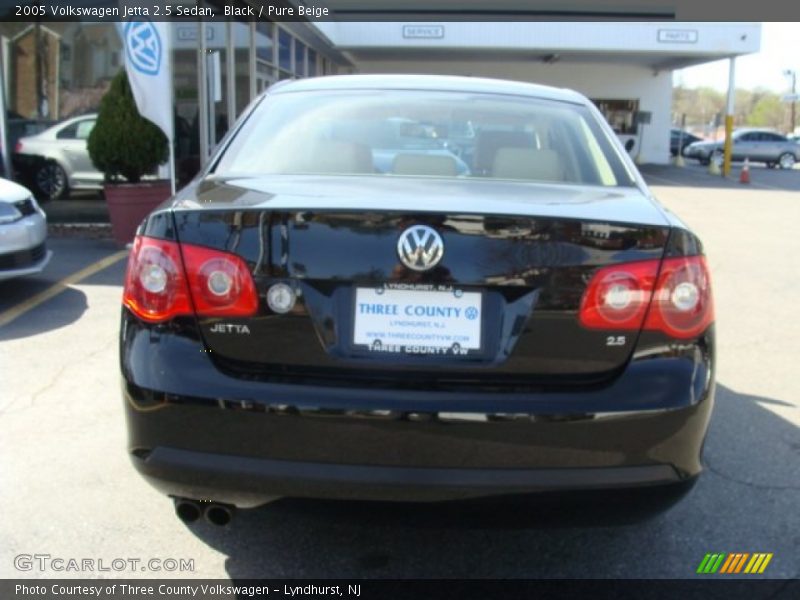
[{"x": 397, "y": 10}]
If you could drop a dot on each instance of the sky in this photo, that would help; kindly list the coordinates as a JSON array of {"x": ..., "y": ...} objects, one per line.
[{"x": 780, "y": 50}]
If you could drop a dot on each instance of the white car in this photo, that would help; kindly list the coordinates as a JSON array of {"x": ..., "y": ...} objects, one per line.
[
  {"x": 57, "y": 160},
  {"x": 23, "y": 232}
]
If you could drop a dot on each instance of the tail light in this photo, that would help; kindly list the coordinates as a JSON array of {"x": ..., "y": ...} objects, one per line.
[
  {"x": 682, "y": 305},
  {"x": 166, "y": 279},
  {"x": 220, "y": 283},
  {"x": 155, "y": 286},
  {"x": 18, "y": 147},
  {"x": 679, "y": 301},
  {"x": 617, "y": 297}
]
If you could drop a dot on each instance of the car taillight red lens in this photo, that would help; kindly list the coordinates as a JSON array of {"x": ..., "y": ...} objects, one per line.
[
  {"x": 18, "y": 147},
  {"x": 617, "y": 297},
  {"x": 220, "y": 283},
  {"x": 155, "y": 287},
  {"x": 165, "y": 280},
  {"x": 680, "y": 304}
]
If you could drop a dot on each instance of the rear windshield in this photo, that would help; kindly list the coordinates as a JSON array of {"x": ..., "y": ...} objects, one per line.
[{"x": 424, "y": 134}]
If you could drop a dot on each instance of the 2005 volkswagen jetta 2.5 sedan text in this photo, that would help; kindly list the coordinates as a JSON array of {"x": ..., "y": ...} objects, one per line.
[{"x": 415, "y": 288}]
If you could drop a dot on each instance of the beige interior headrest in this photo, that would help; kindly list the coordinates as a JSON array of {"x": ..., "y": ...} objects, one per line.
[
  {"x": 528, "y": 163},
  {"x": 425, "y": 164}
]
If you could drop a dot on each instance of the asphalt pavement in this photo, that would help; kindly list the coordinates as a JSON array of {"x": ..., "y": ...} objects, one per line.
[{"x": 69, "y": 491}]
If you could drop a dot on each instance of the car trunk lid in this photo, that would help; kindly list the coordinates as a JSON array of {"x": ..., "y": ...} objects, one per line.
[{"x": 516, "y": 262}]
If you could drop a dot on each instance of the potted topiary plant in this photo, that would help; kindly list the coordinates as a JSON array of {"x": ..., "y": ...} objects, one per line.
[{"x": 126, "y": 147}]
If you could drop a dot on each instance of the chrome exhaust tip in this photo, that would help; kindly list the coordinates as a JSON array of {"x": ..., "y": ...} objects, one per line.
[
  {"x": 187, "y": 510},
  {"x": 218, "y": 514}
]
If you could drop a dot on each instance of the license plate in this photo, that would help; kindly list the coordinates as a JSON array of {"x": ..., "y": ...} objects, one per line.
[{"x": 413, "y": 321}]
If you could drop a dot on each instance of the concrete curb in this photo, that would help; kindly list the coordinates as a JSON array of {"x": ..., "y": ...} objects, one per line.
[{"x": 85, "y": 230}]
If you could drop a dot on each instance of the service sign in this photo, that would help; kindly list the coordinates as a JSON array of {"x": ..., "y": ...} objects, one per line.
[
  {"x": 423, "y": 32},
  {"x": 413, "y": 321}
]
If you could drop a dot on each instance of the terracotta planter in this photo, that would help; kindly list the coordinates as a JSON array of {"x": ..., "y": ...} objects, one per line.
[{"x": 130, "y": 203}]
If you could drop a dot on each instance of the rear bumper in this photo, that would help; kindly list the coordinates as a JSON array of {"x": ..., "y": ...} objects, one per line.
[
  {"x": 194, "y": 431},
  {"x": 248, "y": 481}
]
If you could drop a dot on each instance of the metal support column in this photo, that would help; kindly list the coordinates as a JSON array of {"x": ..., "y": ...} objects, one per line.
[
  {"x": 4, "y": 149},
  {"x": 726, "y": 163},
  {"x": 230, "y": 79},
  {"x": 202, "y": 91},
  {"x": 251, "y": 63},
  {"x": 791, "y": 73}
]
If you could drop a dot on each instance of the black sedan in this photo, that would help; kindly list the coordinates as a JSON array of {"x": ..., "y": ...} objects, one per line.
[
  {"x": 304, "y": 321},
  {"x": 681, "y": 139}
]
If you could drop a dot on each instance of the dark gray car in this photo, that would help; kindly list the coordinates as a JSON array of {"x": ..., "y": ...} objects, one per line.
[{"x": 757, "y": 145}]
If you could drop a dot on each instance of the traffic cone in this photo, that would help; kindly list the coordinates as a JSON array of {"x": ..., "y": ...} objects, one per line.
[{"x": 744, "y": 176}]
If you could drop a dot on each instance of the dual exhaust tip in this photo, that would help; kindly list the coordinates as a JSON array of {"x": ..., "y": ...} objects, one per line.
[{"x": 190, "y": 511}]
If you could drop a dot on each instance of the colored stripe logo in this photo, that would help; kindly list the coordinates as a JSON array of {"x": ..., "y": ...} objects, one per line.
[{"x": 734, "y": 562}]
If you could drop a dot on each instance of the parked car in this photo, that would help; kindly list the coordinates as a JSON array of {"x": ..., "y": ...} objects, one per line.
[
  {"x": 757, "y": 145},
  {"x": 56, "y": 160},
  {"x": 23, "y": 232},
  {"x": 296, "y": 323},
  {"x": 677, "y": 138},
  {"x": 17, "y": 127}
]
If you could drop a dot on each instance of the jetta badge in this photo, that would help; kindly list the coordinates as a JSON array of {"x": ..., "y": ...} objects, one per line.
[{"x": 420, "y": 247}]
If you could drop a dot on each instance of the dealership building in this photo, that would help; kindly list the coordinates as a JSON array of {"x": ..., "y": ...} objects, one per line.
[{"x": 57, "y": 70}]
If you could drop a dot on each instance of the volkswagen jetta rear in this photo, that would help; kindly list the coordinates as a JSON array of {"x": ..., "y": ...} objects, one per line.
[{"x": 331, "y": 311}]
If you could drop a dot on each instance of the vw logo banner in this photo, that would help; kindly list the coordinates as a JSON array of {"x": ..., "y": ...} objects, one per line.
[{"x": 147, "y": 61}]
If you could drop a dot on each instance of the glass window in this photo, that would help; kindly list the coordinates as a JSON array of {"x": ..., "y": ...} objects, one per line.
[
  {"x": 68, "y": 133},
  {"x": 299, "y": 58},
  {"x": 620, "y": 114},
  {"x": 185, "y": 36},
  {"x": 264, "y": 41},
  {"x": 75, "y": 62},
  {"x": 438, "y": 134},
  {"x": 84, "y": 129},
  {"x": 284, "y": 50},
  {"x": 312, "y": 63},
  {"x": 79, "y": 130},
  {"x": 241, "y": 53}
]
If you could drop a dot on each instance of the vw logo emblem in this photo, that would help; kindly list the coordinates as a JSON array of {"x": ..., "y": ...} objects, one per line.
[
  {"x": 143, "y": 47},
  {"x": 420, "y": 248}
]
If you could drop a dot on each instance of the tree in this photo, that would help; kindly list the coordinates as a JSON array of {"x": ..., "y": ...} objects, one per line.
[
  {"x": 756, "y": 108},
  {"x": 700, "y": 105},
  {"x": 123, "y": 143},
  {"x": 768, "y": 111}
]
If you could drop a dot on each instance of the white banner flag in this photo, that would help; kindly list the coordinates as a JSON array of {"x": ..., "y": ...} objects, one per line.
[{"x": 147, "y": 61}]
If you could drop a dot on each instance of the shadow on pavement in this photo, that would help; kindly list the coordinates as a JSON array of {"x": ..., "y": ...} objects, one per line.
[
  {"x": 70, "y": 256},
  {"x": 63, "y": 310},
  {"x": 744, "y": 502}
]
